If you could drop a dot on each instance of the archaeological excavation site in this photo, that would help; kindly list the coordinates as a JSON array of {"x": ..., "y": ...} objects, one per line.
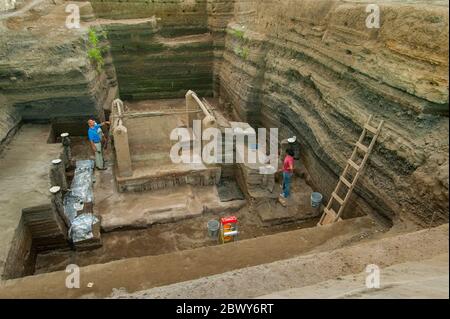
[{"x": 224, "y": 149}]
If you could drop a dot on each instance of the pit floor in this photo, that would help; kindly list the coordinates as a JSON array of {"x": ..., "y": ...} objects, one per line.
[{"x": 159, "y": 238}]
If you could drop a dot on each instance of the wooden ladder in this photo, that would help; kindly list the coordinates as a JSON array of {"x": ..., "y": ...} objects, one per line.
[{"x": 330, "y": 215}]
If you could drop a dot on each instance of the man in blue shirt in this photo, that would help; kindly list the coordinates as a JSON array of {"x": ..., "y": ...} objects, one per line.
[{"x": 95, "y": 140}]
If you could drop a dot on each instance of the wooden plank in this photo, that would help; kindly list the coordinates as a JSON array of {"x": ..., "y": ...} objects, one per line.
[
  {"x": 329, "y": 217},
  {"x": 345, "y": 181},
  {"x": 328, "y": 220},
  {"x": 330, "y": 212},
  {"x": 337, "y": 198},
  {"x": 354, "y": 165},
  {"x": 362, "y": 147},
  {"x": 371, "y": 129}
]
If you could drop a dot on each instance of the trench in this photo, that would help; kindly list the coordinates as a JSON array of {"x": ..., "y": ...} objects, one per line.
[
  {"x": 156, "y": 240},
  {"x": 134, "y": 240},
  {"x": 129, "y": 241}
]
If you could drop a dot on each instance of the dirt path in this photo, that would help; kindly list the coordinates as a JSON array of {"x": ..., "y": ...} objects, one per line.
[
  {"x": 423, "y": 279},
  {"x": 308, "y": 270}
]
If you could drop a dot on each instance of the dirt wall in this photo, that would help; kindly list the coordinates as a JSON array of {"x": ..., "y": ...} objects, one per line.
[
  {"x": 21, "y": 256},
  {"x": 164, "y": 58},
  {"x": 9, "y": 120},
  {"x": 45, "y": 71},
  {"x": 314, "y": 69},
  {"x": 150, "y": 135}
]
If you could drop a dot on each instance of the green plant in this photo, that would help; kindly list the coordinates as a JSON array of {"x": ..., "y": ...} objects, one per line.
[
  {"x": 93, "y": 38},
  {"x": 96, "y": 56},
  {"x": 95, "y": 52},
  {"x": 236, "y": 33},
  {"x": 242, "y": 52}
]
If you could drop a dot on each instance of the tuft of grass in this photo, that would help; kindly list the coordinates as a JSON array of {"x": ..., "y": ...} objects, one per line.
[
  {"x": 242, "y": 52},
  {"x": 433, "y": 19},
  {"x": 236, "y": 33}
]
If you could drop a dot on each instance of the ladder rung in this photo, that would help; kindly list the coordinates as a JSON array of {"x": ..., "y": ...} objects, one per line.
[
  {"x": 330, "y": 212},
  {"x": 339, "y": 200},
  {"x": 328, "y": 217},
  {"x": 371, "y": 129},
  {"x": 354, "y": 165},
  {"x": 345, "y": 181},
  {"x": 362, "y": 147}
]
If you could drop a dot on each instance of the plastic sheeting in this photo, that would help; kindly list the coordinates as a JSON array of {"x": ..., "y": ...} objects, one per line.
[
  {"x": 82, "y": 182},
  {"x": 81, "y": 228},
  {"x": 71, "y": 206},
  {"x": 80, "y": 192}
]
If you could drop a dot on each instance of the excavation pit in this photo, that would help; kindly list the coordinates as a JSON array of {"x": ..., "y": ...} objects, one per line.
[
  {"x": 317, "y": 72},
  {"x": 159, "y": 239},
  {"x": 164, "y": 221},
  {"x": 162, "y": 207}
]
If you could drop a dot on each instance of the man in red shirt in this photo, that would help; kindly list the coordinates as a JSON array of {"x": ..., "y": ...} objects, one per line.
[{"x": 288, "y": 172}]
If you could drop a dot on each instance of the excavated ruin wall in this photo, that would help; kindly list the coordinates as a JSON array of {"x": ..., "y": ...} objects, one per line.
[
  {"x": 150, "y": 136},
  {"x": 163, "y": 58},
  {"x": 21, "y": 256},
  {"x": 313, "y": 69}
]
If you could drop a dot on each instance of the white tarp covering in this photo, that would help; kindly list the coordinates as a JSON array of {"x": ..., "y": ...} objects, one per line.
[
  {"x": 81, "y": 228},
  {"x": 80, "y": 192}
]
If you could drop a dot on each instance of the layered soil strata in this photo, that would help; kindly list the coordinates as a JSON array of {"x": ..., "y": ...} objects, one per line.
[
  {"x": 45, "y": 70},
  {"x": 314, "y": 69}
]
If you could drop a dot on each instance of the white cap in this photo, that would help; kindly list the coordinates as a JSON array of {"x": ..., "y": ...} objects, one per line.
[
  {"x": 292, "y": 139},
  {"x": 56, "y": 161},
  {"x": 55, "y": 189},
  {"x": 64, "y": 134}
]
